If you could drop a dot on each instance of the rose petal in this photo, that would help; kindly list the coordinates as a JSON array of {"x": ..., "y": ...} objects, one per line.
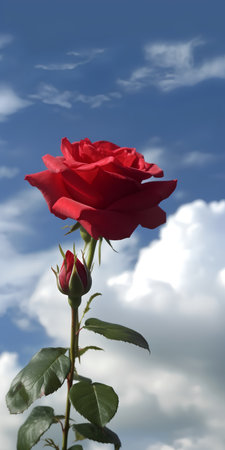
[
  {"x": 105, "y": 145},
  {"x": 152, "y": 218},
  {"x": 70, "y": 151},
  {"x": 81, "y": 272},
  {"x": 155, "y": 171},
  {"x": 98, "y": 188},
  {"x": 51, "y": 186},
  {"x": 54, "y": 164},
  {"x": 149, "y": 195},
  {"x": 97, "y": 222},
  {"x": 65, "y": 271}
]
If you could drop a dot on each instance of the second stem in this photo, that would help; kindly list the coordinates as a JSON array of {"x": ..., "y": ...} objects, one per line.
[{"x": 73, "y": 354}]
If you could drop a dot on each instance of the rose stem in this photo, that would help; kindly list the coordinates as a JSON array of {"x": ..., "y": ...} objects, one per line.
[
  {"x": 91, "y": 252},
  {"x": 74, "y": 349}
]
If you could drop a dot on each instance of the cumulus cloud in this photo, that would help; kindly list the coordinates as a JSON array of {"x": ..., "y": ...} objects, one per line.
[
  {"x": 25, "y": 267},
  {"x": 10, "y": 102},
  {"x": 169, "y": 66},
  {"x": 172, "y": 291},
  {"x": 173, "y": 295},
  {"x": 85, "y": 58},
  {"x": 205, "y": 443},
  {"x": 8, "y": 424},
  {"x": 168, "y": 262}
]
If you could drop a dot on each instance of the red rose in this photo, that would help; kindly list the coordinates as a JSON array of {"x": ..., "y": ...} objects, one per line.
[{"x": 100, "y": 185}]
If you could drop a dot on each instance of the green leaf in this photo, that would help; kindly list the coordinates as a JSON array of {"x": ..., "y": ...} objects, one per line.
[
  {"x": 87, "y": 307},
  {"x": 44, "y": 374},
  {"x": 79, "y": 437},
  {"x": 96, "y": 402},
  {"x": 89, "y": 347},
  {"x": 77, "y": 377},
  {"x": 37, "y": 423},
  {"x": 76, "y": 447},
  {"x": 95, "y": 433},
  {"x": 108, "y": 242},
  {"x": 116, "y": 332},
  {"x": 74, "y": 227}
]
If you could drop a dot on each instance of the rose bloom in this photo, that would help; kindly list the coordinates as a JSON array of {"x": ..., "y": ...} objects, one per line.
[{"x": 100, "y": 185}]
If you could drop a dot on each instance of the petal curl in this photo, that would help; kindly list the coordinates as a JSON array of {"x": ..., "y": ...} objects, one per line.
[
  {"x": 54, "y": 164},
  {"x": 105, "y": 145},
  {"x": 150, "y": 195},
  {"x": 51, "y": 186},
  {"x": 152, "y": 218},
  {"x": 108, "y": 224},
  {"x": 98, "y": 188}
]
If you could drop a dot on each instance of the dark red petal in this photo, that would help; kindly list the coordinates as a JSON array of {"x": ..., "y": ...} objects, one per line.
[
  {"x": 97, "y": 222},
  {"x": 155, "y": 171},
  {"x": 98, "y": 188},
  {"x": 152, "y": 218},
  {"x": 148, "y": 196},
  {"x": 51, "y": 186},
  {"x": 65, "y": 271}
]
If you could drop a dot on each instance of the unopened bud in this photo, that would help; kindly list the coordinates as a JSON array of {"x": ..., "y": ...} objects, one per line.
[{"x": 73, "y": 279}]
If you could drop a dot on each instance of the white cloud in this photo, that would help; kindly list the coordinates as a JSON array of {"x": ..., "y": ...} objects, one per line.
[
  {"x": 8, "y": 172},
  {"x": 10, "y": 102},
  {"x": 177, "y": 55},
  {"x": 154, "y": 153},
  {"x": 64, "y": 66},
  {"x": 94, "y": 101},
  {"x": 176, "y": 157},
  {"x": 50, "y": 95},
  {"x": 86, "y": 57},
  {"x": 138, "y": 79},
  {"x": 8, "y": 424},
  {"x": 172, "y": 291},
  {"x": 5, "y": 39},
  {"x": 19, "y": 271},
  {"x": 197, "y": 158},
  {"x": 205, "y": 443},
  {"x": 165, "y": 268},
  {"x": 172, "y": 65}
]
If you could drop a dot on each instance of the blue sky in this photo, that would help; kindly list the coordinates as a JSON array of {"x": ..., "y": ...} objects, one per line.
[{"x": 142, "y": 74}]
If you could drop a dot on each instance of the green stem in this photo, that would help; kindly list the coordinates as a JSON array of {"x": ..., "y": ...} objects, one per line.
[
  {"x": 73, "y": 354},
  {"x": 74, "y": 347},
  {"x": 91, "y": 252}
]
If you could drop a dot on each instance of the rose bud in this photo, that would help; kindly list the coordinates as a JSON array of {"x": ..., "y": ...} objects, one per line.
[{"x": 73, "y": 279}]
